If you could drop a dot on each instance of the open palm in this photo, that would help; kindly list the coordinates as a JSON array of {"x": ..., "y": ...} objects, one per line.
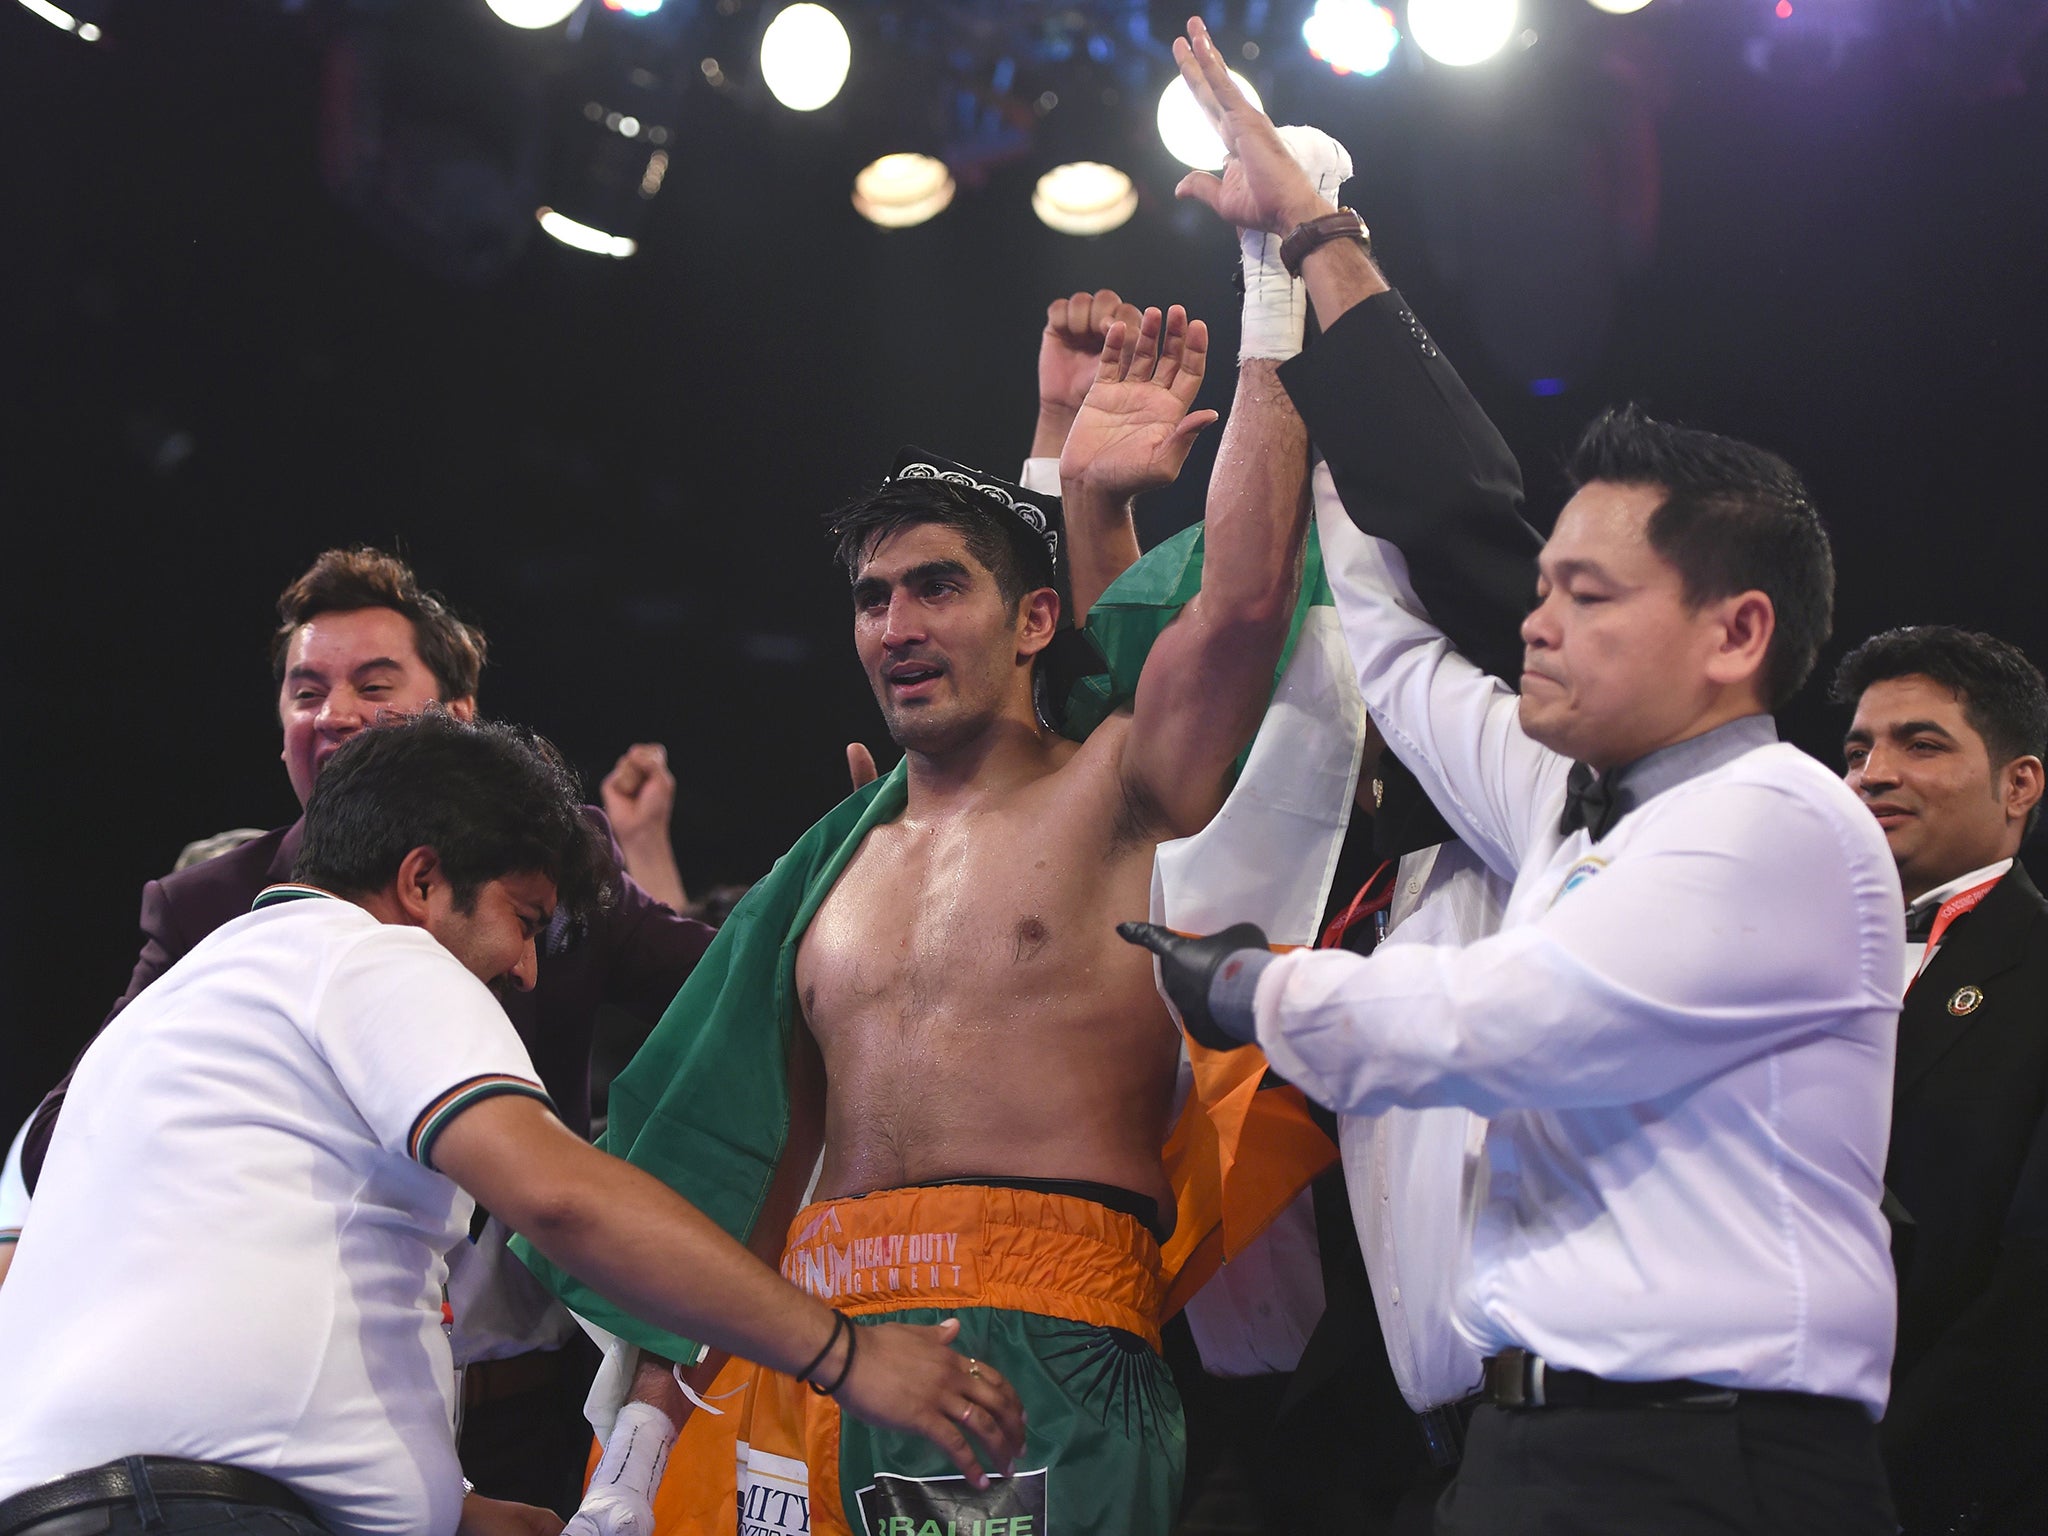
[{"x": 1136, "y": 424}]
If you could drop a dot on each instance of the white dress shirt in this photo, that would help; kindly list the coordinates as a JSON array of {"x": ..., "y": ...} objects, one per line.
[
  {"x": 1406, "y": 1170},
  {"x": 1918, "y": 954},
  {"x": 1682, "y": 1036}
]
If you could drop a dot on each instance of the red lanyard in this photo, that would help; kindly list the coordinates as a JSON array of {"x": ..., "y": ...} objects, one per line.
[
  {"x": 1362, "y": 905},
  {"x": 1952, "y": 909}
]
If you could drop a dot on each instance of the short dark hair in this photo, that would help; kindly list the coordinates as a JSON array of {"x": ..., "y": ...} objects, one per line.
[
  {"x": 490, "y": 799},
  {"x": 2002, "y": 693},
  {"x": 1734, "y": 519},
  {"x": 1015, "y": 556},
  {"x": 347, "y": 580}
]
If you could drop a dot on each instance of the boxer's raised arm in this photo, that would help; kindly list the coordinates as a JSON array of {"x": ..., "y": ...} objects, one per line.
[{"x": 1209, "y": 677}]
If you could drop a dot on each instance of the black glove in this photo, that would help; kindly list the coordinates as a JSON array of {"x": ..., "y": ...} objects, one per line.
[{"x": 1213, "y": 995}]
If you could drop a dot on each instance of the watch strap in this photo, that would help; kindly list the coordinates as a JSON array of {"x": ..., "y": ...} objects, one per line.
[{"x": 1344, "y": 224}]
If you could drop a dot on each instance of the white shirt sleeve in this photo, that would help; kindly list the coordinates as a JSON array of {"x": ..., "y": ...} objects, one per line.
[
  {"x": 1727, "y": 927},
  {"x": 1041, "y": 476},
  {"x": 1454, "y": 726},
  {"x": 13, "y": 1190},
  {"x": 414, "y": 1039}
]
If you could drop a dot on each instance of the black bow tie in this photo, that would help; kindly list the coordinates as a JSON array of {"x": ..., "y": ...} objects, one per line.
[
  {"x": 1593, "y": 801},
  {"x": 1920, "y": 924}
]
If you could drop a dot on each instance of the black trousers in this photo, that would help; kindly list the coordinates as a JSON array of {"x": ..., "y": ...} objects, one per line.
[{"x": 1770, "y": 1464}]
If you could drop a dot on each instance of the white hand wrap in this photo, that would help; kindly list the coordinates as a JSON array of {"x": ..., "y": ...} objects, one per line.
[
  {"x": 1275, "y": 304},
  {"x": 620, "y": 1499}
]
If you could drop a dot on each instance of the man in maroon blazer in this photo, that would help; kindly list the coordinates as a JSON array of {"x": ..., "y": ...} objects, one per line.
[{"x": 358, "y": 636}]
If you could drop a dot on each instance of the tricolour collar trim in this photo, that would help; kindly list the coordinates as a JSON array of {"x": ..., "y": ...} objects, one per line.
[{"x": 278, "y": 895}]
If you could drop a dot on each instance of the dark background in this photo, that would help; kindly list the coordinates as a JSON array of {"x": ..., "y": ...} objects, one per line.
[{"x": 231, "y": 336}]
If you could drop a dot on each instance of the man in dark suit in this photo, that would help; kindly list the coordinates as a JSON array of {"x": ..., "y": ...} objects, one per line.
[
  {"x": 1946, "y": 748},
  {"x": 359, "y": 637}
]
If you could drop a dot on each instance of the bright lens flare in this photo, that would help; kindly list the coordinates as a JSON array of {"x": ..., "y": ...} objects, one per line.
[
  {"x": 1353, "y": 37},
  {"x": 1461, "y": 32},
  {"x": 1618, "y": 7},
  {"x": 900, "y": 190},
  {"x": 60, "y": 18},
  {"x": 1084, "y": 197},
  {"x": 1184, "y": 126},
  {"x": 805, "y": 54},
  {"x": 532, "y": 14},
  {"x": 583, "y": 237}
]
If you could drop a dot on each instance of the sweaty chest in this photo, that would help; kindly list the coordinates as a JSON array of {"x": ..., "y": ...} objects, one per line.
[{"x": 916, "y": 926}]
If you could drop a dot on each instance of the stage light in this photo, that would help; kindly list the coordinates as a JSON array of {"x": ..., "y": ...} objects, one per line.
[
  {"x": 1084, "y": 198},
  {"x": 900, "y": 190},
  {"x": 1461, "y": 32},
  {"x": 1353, "y": 37},
  {"x": 633, "y": 7},
  {"x": 84, "y": 30},
  {"x": 583, "y": 237},
  {"x": 805, "y": 54},
  {"x": 532, "y": 14},
  {"x": 1618, "y": 7},
  {"x": 1184, "y": 126}
]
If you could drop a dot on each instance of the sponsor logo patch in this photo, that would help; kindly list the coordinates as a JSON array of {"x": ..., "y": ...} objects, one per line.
[
  {"x": 951, "y": 1506},
  {"x": 774, "y": 1494}
]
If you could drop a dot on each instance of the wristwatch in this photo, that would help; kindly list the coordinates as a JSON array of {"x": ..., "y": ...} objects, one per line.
[{"x": 1344, "y": 224}]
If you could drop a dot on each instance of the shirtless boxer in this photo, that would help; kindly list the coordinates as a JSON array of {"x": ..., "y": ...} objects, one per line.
[{"x": 997, "y": 1075}]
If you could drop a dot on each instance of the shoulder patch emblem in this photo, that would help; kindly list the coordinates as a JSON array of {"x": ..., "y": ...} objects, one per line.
[{"x": 1966, "y": 1000}]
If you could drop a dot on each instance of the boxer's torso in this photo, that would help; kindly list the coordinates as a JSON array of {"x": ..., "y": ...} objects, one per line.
[{"x": 976, "y": 1011}]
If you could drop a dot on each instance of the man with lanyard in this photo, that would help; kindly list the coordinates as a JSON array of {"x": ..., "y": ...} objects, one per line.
[
  {"x": 1682, "y": 1035},
  {"x": 1946, "y": 749},
  {"x": 228, "y": 1307}
]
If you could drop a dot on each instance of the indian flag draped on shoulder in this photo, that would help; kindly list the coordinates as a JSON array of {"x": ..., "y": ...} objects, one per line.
[{"x": 705, "y": 1105}]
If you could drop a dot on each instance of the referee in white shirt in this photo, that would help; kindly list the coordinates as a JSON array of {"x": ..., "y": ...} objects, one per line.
[{"x": 1683, "y": 1035}]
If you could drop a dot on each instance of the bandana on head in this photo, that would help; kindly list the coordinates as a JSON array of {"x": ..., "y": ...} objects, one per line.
[
  {"x": 1071, "y": 655},
  {"x": 1041, "y": 515}
]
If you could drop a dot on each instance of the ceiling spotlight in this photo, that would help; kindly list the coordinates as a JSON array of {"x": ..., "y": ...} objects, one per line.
[
  {"x": 900, "y": 190},
  {"x": 1184, "y": 126},
  {"x": 60, "y": 18},
  {"x": 583, "y": 237},
  {"x": 1354, "y": 37},
  {"x": 1461, "y": 32},
  {"x": 805, "y": 54},
  {"x": 1085, "y": 198},
  {"x": 1619, "y": 7},
  {"x": 532, "y": 14}
]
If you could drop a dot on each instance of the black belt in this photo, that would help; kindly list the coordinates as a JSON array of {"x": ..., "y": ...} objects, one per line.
[
  {"x": 1517, "y": 1379},
  {"x": 143, "y": 1480}
]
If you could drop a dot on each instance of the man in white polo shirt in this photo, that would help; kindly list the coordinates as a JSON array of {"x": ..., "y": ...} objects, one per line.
[
  {"x": 1682, "y": 1036},
  {"x": 231, "y": 1296}
]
